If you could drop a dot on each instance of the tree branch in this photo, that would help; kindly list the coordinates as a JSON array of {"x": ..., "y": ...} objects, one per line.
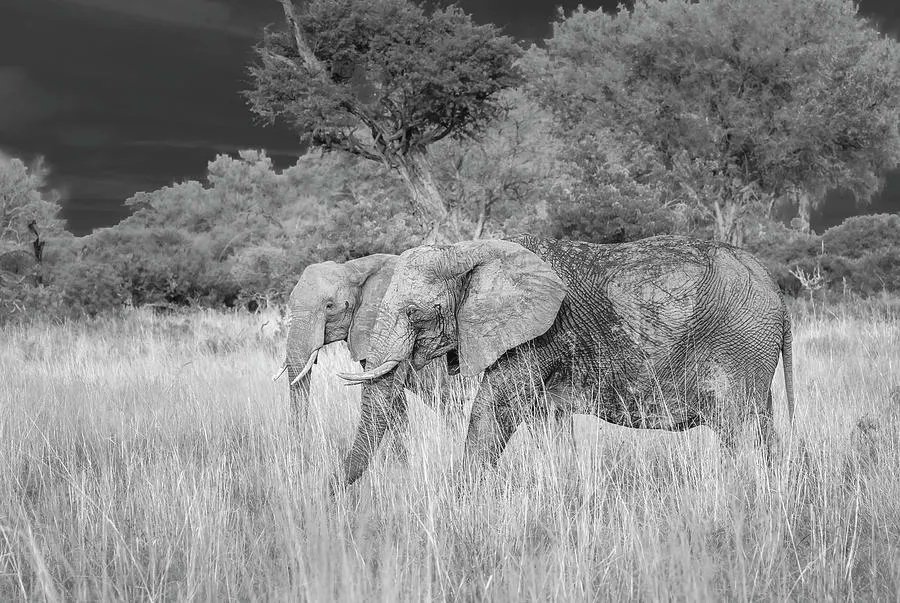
[
  {"x": 349, "y": 143},
  {"x": 315, "y": 66},
  {"x": 435, "y": 135},
  {"x": 303, "y": 49}
]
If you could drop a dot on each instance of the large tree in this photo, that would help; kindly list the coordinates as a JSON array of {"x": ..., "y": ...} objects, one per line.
[
  {"x": 745, "y": 102},
  {"x": 29, "y": 213},
  {"x": 384, "y": 80},
  {"x": 506, "y": 181}
]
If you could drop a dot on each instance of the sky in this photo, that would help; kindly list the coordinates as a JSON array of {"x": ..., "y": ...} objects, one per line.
[{"x": 121, "y": 96}]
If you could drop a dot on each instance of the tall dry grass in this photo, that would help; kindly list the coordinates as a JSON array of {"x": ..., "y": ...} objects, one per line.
[{"x": 152, "y": 458}]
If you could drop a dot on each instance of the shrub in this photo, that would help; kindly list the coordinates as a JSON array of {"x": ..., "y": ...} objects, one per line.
[{"x": 859, "y": 236}]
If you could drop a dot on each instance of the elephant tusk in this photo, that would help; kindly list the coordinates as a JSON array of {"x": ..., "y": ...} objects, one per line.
[
  {"x": 280, "y": 373},
  {"x": 383, "y": 369},
  {"x": 309, "y": 363},
  {"x": 353, "y": 378}
]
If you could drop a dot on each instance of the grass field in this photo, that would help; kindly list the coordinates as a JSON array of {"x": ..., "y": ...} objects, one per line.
[{"x": 151, "y": 458}]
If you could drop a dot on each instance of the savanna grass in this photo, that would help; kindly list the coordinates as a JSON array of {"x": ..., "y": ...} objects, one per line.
[{"x": 151, "y": 457}]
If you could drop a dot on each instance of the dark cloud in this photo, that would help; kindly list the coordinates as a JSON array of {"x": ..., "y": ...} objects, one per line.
[
  {"x": 208, "y": 14},
  {"x": 23, "y": 102}
]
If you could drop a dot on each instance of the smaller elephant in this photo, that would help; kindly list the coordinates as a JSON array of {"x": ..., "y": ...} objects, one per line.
[{"x": 338, "y": 302}]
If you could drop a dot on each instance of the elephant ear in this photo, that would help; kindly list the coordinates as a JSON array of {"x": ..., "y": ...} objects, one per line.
[
  {"x": 372, "y": 275},
  {"x": 512, "y": 297}
]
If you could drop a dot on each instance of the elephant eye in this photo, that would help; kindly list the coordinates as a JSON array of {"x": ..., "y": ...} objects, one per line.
[{"x": 329, "y": 305}]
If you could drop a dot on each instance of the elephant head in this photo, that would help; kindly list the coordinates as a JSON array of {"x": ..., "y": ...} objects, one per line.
[
  {"x": 478, "y": 298},
  {"x": 332, "y": 302}
]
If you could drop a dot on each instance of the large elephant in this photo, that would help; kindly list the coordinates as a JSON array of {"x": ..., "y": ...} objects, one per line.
[
  {"x": 665, "y": 333},
  {"x": 338, "y": 302}
]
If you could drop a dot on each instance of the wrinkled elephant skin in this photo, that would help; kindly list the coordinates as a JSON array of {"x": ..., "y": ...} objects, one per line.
[{"x": 663, "y": 333}]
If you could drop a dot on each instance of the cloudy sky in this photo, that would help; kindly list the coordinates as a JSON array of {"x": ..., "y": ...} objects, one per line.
[{"x": 127, "y": 95}]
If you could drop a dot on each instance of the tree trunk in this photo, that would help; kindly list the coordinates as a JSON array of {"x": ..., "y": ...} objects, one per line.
[
  {"x": 803, "y": 209},
  {"x": 38, "y": 248},
  {"x": 728, "y": 224},
  {"x": 306, "y": 54},
  {"x": 483, "y": 216},
  {"x": 418, "y": 175}
]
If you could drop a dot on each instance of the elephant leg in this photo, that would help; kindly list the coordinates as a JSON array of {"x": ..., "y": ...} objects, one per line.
[
  {"x": 496, "y": 414},
  {"x": 378, "y": 415},
  {"x": 742, "y": 404},
  {"x": 564, "y": 429},
  {"x": 725, "y": 422},
  {"x": 765, "y": 430},
  {"x": 728, "y": 438}
]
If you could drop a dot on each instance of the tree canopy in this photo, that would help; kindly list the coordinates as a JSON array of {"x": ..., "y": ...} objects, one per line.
[
  {"x": 26, "y": 200},
  {"x": 744, "y": 102},
  {"x": 384, "y": 80}
]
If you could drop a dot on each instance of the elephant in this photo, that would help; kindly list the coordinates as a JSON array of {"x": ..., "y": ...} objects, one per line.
[
  {"x": 663, "y": 333},
  {"x": 337, "y": 302}
]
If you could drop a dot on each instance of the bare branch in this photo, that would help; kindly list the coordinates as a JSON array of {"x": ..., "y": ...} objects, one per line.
[
  {"x": 436, "y": 135},
  {"x": 347, "y": 141},
  {"x": 350, "y": 106},
  {"x": 303, "y": 49},
  {"x": 314, "y": 65}
]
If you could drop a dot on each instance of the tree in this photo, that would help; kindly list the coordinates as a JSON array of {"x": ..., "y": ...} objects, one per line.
[
  {"x": 858, "y": 236},
  {"x": 744, "y": 101},
  {"x": 28, "y": 219},
  {"x": 28, "y": 210},
  {"x": 28, "y": 216},
  {"x": 250, "y": 229},
  {"x": 505, "y": 181},
  {"x": 384, "y": 80},
  {"x": 617, "y": 193}
]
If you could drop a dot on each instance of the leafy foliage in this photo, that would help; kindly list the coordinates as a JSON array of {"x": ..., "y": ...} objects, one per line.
[
  {"x": 28, "y": 220},
  {"x": 246, "y": 233},
  {"x": 385, "y": 80},
  {"x": 506, "y": 181},
  {"x": 406, "y": 76},
  {"x": 861, "y": 255},
  {"x": 743, "y": 102},
  {"x": 25, "y": 199},
  {"x": 615, "y": 195},
  {"x": 859, "y": 236}
]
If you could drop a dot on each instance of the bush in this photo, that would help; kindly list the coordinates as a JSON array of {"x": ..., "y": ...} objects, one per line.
[
  {"x": 862, "y": 254},
  {"x": 860, "y": 236},
  {"x": 611, "y": 218}
]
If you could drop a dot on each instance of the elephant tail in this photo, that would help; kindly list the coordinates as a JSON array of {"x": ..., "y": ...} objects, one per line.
[{"x": 787, "y": 359}]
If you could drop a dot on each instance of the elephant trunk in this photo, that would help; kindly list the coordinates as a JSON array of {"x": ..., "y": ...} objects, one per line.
[
  {"x": 306, "y": 336},
  {"x": 383, "y": 397},
  {"x": 383, "y": 405}
]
